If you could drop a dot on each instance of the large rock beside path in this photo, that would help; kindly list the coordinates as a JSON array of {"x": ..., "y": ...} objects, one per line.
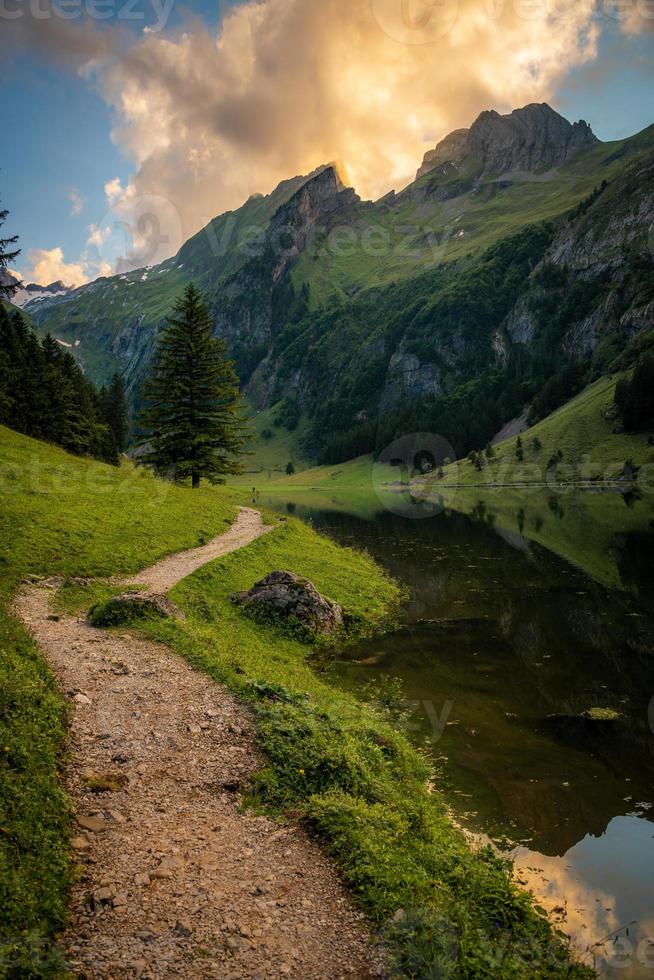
[
  {"x": 124, "y": 609},
  {"x": 294, "y": 600}
]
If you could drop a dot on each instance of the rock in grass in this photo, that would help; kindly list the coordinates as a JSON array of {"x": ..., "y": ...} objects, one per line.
[
  {"x": 288, "y": 598},
  {"x": 130, "y": 606}
]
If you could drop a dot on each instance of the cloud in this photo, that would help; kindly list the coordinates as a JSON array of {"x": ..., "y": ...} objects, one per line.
[
  {"x": 76, "y": 203},
  {"x": 72, "y": 43},
  {"x": 287, "y": 85},
  {"x": 635, "y": 16},
  {"x": 97, "y": 236},
  {"x": 48, "y": 265},
  {"x": 291, "y": 84},
  {"x": 113, "y": 190}
]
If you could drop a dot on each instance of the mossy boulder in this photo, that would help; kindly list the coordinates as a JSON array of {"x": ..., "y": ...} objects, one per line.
[
  {"x": 294, "y": 601},
  {"x": 124, "y": 609}
]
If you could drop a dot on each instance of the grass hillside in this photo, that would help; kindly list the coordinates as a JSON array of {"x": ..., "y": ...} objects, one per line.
[
  {"x": 342, "y": 765},
  {"x": 339, "y": 762},
  {"x": 353, "y": 475},
  {"x": 581, "y": 432},
  {"x": 273, "y": 446},
  {"x": 73, "y": 517}
]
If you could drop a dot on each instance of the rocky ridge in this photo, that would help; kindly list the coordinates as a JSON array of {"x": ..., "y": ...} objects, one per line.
[{"x": 529, "y": 139}]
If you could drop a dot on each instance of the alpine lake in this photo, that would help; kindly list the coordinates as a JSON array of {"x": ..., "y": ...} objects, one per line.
[{"x": 523, "y": 663}]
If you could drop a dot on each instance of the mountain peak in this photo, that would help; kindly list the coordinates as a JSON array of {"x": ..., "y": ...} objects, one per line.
[
  {"x": 532, "y": 138},
  {"x": 323, "y": 191}
]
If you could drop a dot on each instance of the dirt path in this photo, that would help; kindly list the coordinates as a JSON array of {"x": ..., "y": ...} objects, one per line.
[
  {"x": 174, "y": 880},
  {"x": 171, "y": 570}
]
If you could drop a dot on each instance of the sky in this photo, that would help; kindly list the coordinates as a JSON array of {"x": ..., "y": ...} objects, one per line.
[{"x": 123, "y": 114}]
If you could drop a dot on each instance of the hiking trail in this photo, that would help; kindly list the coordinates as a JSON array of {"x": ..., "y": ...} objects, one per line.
[{"x": 176, "y": 881}]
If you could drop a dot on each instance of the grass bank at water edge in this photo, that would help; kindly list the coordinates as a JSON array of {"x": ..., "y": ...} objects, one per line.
[
  {"x": 338, "y": 763},
  {"x": 346, "y": 769}
]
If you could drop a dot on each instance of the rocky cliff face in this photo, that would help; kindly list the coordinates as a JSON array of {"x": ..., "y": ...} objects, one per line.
[
  {"x": 408, "y": 380},
  {"x": 244, "y": 304},
  {"x": 531, "y": 139},
  {"x": 313, "y": 208},
  {"x": 607, "y": 252}
]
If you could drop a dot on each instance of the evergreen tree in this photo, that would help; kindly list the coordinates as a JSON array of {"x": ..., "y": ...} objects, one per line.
[
  {"x": 7, "y": 290},
  {"x": 113, "y": 405},
  {"x": 192, "y": 399},
  {"x": 44, "y": 394}
]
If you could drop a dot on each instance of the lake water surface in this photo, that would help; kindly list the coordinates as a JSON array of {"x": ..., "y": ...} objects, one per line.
[{"x": 524, "y": 613}]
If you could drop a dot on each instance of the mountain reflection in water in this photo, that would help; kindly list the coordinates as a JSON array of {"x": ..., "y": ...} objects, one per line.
[{"x": 524, "y": 614}]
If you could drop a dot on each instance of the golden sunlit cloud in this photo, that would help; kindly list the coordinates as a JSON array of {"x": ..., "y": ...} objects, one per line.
[
  {"x": 286, "y": 85},
  {"x": 291, "y": 84},
  {"x": 48, "y": 265}
]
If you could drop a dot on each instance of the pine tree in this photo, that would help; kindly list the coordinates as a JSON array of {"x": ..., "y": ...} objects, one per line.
[
  {"x": 113, "y": 407},
  {"x": 7, "y": 290},
  {"x": 192, "y": 399},
  {"x": 44, "y": 394}
]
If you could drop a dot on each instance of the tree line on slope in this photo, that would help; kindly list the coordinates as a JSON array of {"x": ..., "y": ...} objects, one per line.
[
  {"x": 452, "y": 319},
  {"x": 191, "y": 423},
  {"x": 634, "y": 396},
  {"x": 44, "y": 394}
]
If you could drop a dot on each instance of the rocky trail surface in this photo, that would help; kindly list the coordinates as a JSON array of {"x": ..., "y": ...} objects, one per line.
[{"x": 174, "y": 880}]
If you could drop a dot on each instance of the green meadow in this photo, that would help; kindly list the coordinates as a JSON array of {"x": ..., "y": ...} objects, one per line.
[{"x": 341, "y": 765}]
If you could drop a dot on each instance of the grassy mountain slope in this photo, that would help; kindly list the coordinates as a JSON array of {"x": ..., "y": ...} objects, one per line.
[
  {"x": 110, "y": 323},
  {"x": 398, "y": 239},
  {"x": 583, "y": 431},
  {"x": 447, "y": 306},
  {"x": 273, "y": 446},
  {"x": 392, "y": 239}
]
